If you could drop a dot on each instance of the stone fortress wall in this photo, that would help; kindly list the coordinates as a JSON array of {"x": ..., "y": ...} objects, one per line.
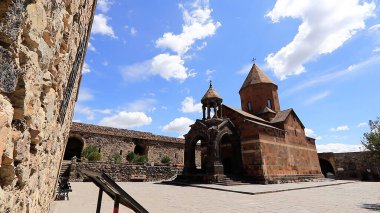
[
  {"x": 42, "y": 46},
  {"x": 350, "y": 165},
  {"x": 110, "y": 141}
]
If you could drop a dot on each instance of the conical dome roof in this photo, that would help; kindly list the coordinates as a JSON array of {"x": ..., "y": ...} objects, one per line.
[
  {"x": 256, "y": 76},
  {"x": 210, "y": 95}
]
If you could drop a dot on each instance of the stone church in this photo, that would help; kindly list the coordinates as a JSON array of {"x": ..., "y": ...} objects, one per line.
[{"x": 259, "y": 142}]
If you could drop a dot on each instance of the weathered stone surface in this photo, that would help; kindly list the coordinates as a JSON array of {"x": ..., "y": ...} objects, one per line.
[
  {"x": 5, "y": 128},
  {"x": 33, "y": 78},
  {"x": 10, "y": 19},
  {"x": 9, "y": 72}
]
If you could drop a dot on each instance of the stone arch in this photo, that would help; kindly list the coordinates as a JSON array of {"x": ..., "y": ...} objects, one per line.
[
  {"x": 229, "y": 148},
  {"x": 74, "y": 147},
  {"x": 141, "y": 149},
  {"x": 326, "y": 167},
  {"x": 190, "y": 146}
]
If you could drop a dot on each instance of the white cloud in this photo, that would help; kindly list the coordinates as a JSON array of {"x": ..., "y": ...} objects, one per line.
[
  {"x": 86, "y": 68},
  {"x": 89, "y": 112},
  {"x": 209, "y": 73},
  {"x": 165, "y": 65},
  {"x": 100, "y": 26},
  {"x": 376, "y": 50},
  {"x": 179, "y": 125},
  {"x": 245, "y": 69},
  {"x": 198, "y": 24},
  {"x": 361, "y": 124},
  {"x": 317, "y": 97},
  {"x": 188, "y": 105},
  {"x": 133, "y": 31},
  {"x": 104, "y": 5},
  {"x": 326, "y": 25},
  {"x": 91, "y": 47},
  {"x": 170, "y": 66},
  {"x": 85, "y": 95},
  {"x": 311, "y": 133},
  {"x": 142, "y": 105},
  {"x": 340, "y": 128},
  {"x": 125, "y": 119},
  {"x": 370, "y": 64},
  {"x": 374, "y": 27},
  {"x": 339, "y": 147}
]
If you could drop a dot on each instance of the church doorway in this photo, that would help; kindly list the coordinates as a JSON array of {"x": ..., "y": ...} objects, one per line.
[
  {"x": 226, "y": 154},
  {"x": 74, "y": 147},
  {"x": 326, "y": 167}
]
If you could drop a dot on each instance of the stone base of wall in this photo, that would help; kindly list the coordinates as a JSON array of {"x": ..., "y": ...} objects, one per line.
[
  {"x": 123, "y": 172},
  {"x": 292, "y": 178}
]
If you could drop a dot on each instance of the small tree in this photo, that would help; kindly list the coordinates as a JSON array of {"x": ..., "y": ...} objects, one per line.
[
  {"x": 165, "y": 159},
  {"x": 114, "y": 158},
  {"x": 371, "y": 139},
  {"x": 91, "y": 153}
]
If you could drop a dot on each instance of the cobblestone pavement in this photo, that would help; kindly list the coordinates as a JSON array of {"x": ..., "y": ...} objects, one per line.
[{"x": 328, "y": 196}]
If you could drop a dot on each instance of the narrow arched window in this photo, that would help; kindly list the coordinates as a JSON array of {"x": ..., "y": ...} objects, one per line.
[
  {"x": 249, "y": 106},
  {"x": 269, "y": 103}
]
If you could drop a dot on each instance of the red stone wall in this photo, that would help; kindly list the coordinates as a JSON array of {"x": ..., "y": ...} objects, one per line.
[{"x": 259, "y": 94}]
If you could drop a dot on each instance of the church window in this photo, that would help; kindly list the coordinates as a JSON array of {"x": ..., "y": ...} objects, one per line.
[
  {"x": 249, "y": 106},
  {"x": 295, "y": 132},
  {"x": 269, "y": 103}
]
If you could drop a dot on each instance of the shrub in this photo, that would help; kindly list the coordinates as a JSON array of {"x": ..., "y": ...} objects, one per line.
[
  {"x": 131, "y": 157},
  {"x": 114, "y": 158},
  {"x": 135, "y": 158},
  {"x": 141, "y": 159},
  {"x": 165, "y": 159},
  {"x": 91, "y": 153}
]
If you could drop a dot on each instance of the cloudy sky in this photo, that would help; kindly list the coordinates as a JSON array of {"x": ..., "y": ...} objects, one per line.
[{"x": 148, "y": 63}]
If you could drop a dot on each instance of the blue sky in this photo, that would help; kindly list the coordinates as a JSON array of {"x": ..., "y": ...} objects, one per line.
[{"x": 148, "y": 63}]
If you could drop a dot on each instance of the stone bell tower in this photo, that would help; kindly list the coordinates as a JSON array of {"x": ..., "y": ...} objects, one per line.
[
  {"x": 211, "y": 99},
  {"x": 258, "y": 94}
]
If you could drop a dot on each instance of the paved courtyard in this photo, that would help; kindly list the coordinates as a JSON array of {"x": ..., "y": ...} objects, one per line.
[{"x": 328, "y": 196}]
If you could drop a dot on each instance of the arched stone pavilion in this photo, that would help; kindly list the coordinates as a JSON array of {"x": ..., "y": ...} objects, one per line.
[{"x": 218, "y": 140}]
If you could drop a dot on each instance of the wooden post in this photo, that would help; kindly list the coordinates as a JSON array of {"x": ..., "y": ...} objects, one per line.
[
  {"x": 116, "y": 204},
  {"x": 99, "y": 200}
]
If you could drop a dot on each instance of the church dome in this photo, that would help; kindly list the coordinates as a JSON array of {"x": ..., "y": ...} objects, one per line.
[{"x": 211, "y": 96}]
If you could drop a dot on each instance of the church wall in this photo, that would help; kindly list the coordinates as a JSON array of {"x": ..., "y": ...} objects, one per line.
[
  {"x": 292, "y": 155},
  {"x": 42, "y": 46},
  {"x": 258, "y": 95}
]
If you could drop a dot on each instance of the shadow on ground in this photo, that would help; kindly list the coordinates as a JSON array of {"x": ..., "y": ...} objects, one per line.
[{"x": 373, "y": 207}]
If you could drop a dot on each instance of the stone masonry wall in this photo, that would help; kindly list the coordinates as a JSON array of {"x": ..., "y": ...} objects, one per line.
[
  {"x": 122, "y": 172},
  {"x": 42, "y": 45},
  {"x": 115, "y": 141},
  {"x": 352, "y": 165}
]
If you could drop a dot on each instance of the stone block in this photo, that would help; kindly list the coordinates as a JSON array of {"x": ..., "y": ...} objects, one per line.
[{"x": 9, "y": 71}]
